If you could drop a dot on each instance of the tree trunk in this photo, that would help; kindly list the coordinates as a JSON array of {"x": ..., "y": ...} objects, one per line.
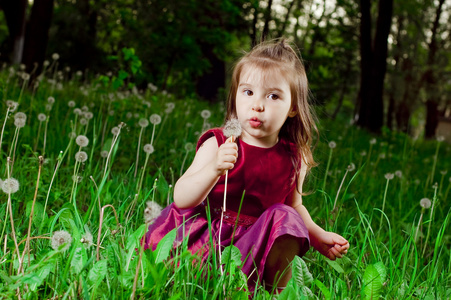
[
  {"x": 254, "y": 24},
  {"x": 371, "y": 113},
  {"x": 15, "y": 12},
  {"x": 366, "y": 58},
  {"x": 37, "y": 33},
  {"x": 286, "y": 19},
  {"x": 211, "y": 81},
  {"x": 267, "y": 20},
  {"x": 431, "y": 80}
]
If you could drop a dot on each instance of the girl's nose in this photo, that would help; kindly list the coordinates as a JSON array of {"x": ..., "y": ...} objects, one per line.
[{"x": 257, "y": 106}]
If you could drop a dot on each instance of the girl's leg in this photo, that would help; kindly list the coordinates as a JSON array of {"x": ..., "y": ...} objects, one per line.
[{"x": 279, "y": 258}]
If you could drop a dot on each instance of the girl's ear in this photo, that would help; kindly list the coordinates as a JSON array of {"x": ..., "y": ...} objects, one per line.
[{"x": 293, "y": 112}]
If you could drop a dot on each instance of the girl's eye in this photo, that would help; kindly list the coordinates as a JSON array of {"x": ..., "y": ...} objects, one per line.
[
  {"x": 273, "y": 97},
  {"x": 248, "y": 93}
]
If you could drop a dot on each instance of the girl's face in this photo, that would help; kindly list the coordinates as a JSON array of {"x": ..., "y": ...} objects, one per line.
[{"x": 263, "y": 103}]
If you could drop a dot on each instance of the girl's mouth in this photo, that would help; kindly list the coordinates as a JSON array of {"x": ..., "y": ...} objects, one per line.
[{"x": 255, "y": 123}]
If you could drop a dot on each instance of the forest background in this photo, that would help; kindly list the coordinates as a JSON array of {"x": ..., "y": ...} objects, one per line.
[{"x": 374, "y": 63}]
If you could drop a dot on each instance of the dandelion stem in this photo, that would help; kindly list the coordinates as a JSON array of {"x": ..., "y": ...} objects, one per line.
[
  {"x": 100, "y": 226},
  {"x": 11, "y": 212},
  {"x": 431, "y": 216},
  {"x": 37, "y": 137},
  {"x": 383, "y": 204},
  {"x": 339, "y": 189},
  {"x": 3, "y": 129},
  {"x": 434, "y": 163},
  {"x": 27, "y": 244},
  {"x": 137, "y": 152},
  {"x": 45, "y": 134},
  {"x": 327, "y": 168}
]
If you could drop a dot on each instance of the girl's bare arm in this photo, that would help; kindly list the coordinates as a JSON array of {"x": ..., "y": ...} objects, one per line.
[
  {"x": 327, "y": 243},
  {"x": 208, "y": 165}
]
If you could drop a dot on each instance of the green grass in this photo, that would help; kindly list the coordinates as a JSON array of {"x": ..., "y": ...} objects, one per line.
[{"x": 107, "y": 201}]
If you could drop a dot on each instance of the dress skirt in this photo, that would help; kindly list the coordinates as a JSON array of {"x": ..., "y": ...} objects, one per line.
[{"x": 254, "y": 237}]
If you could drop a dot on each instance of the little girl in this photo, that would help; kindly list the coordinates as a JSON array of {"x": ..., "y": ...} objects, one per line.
[{"x": 266, "y": 168}]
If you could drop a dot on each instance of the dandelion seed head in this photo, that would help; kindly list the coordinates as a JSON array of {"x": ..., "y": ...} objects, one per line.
[
  {"x": 425, "y": 203},
  {"x": 398, "y": 173},
  {"x": 72, "y": 135},
  {"x": 332, "y": 145},
  {"x": 129, "y": 115},
  {"x": 88, "y": 115},
  {"x": 115, "y": 130},
  {"x": 87, "y": 239},
  {"x": 83, "y": 121},
  {"x": 79, "y": 73},
  {"x": 351, "y": 167},
  {"x": 111, "y": 112},
  {"x": 152, "y": 87},
  {"x": 373, "y": 141},
  {"x": 12, "y": 105},
  {"x": 147, "y": 103},
  {"x": 205, "y": 114},
  {"x": 50, "y": 100},
  {"x": 148, "y": 148},
  {"x": 48, "y": 107},
  {"x": 104, "y": 153},
  {"x": 389, "y": 176},
  {"x": 82, "y": 141},
  {"x": 42, "y": 117},
  {"x": 440, "y": 138},
  {"x": 189, "y": 147},
  {"x": 84, "y": 108},
  {"x": 443, "y": 172},
  {"x": 26, "y": 76},
  {"x": 77, "y": 178},
  {"x": 10, "y": 185},
  {"x": 19, "y": 123},
  {"x": 77, "y": 111},
  {"x": 55, "y": 56},
  {"x": 46, "y": 63},
  {"x": 81, "y": 156},
  {"x": 143, "y": 122},
  {"x": 60, "y": 238},
  {"x": 155, "y": 119},
  {"x": 363, "y": 153},
  {"x": 382, "y": 155},
  {"x": 232, "y": 128},
  {"x": 152, "y": 211},
  {"x": 20, "y": 115}
]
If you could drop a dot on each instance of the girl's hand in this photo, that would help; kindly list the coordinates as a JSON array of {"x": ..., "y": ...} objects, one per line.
[
  {"x": 226, "y": 156},
  {"x": 330, "y": 244}
]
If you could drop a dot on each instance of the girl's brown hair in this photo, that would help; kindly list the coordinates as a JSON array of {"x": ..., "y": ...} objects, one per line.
[{"x": 280, "y": 56}]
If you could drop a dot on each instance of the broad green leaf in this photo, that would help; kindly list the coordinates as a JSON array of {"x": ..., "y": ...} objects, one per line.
[
  {"x": 122, "y": 74},
  {"x": 97, "y": 272},
  {"x": 133, "y": 243},
  {"x": 42, "y": 274},
  {"x": 323, "y": 289},
  {"x": 342, "y": 265},
  {"x": 78, "y": 260},
  {"x": 300, "y": 273},
  {"x": 373, "y": 279},
  {"x": 231, "y": 254},
  {"x": 37, "y": 213},
  {"x": 164, "y": 246},
  {"x": 289, "y": 293}
]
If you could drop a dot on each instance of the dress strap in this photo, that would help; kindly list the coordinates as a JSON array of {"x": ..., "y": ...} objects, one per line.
[{"x": 216, "y": 132}]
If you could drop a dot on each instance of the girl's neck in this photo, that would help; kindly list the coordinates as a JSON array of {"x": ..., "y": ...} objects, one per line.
[{"x": 262, "y": 143}]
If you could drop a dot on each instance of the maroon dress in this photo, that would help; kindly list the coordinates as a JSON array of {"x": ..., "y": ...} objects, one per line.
[{"x": 265, "y": 177}]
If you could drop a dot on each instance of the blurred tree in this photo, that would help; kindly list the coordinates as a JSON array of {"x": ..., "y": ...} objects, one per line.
[
  {"x": 15, "y": 15},
  {"x": 373, "y": 56}
]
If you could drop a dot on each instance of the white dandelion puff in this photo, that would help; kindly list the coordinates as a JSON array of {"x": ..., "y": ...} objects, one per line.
[
  {"x": 115, "y": 130},
  {"x": 189, "y": 147},
  {"x": 351, "y": 167},
  {"x": 373, "y": 141},
  {"x": 155, "y": 119},
  {"x": 42, "y": 117},
  {"x": 51, "y": 100},
  {"x": 148, "y": 148},
  {"x": 152, "y": 211},
  {"x": 61, "y": 238},
  {"x": 10, "y": 185},
  {"x": 19, "y": 123},
  {"x": 81, "y": 156},
  {"x": 205, "y": 114},
  {"x": 398, "y": 173},
  {"x": 104, "y": 153},
  {"x": 20, "y": 116},
  {"x": 82, "y": 141},
  {"x": 389, "y": 176},
  {"x": 332, "y": 145},
  {"x": 143, "y": 123},
  {"x": 232, "y": 128},
  {"x": 71, "y": 103},
  {"x": 425, "y": 203}
]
